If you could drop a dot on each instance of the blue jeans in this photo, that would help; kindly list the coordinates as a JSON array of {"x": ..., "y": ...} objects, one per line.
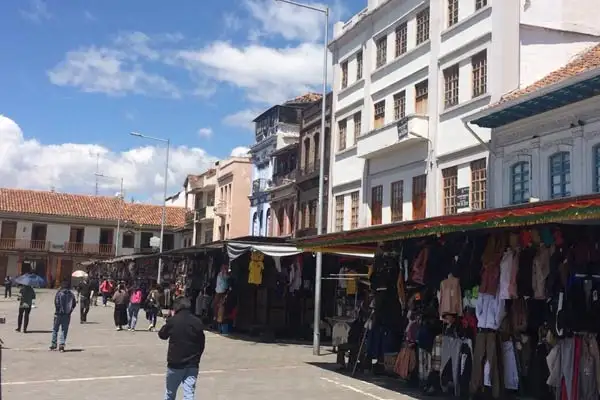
[
  {"x": 61, "y": 322},
  {"x": 186, "y": 377},
  {"x": 132, "y": 315}
]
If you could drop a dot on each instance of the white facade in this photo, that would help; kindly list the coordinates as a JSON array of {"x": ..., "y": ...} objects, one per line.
[{"x": 508, "y": 44}]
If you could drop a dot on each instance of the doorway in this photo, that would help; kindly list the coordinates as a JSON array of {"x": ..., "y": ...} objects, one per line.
[
  {"x": 8, "y": 234},
  {"x": 38, "y": 236}
]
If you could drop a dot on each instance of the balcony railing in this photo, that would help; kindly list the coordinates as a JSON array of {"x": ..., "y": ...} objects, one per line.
[
  {"x": 259, "y": 185},
  {"x": 222, "y": 209},
  {"x": 282, "y": 179},
  {"x": 89, "y": 248},
  {"x": 24, "y": 244},
  {"x": 189, "y": 218}
]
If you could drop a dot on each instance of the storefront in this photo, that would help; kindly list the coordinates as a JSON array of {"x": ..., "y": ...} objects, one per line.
[{"x": 498, "y": 303}]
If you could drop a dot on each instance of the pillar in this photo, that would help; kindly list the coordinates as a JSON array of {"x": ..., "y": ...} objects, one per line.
[
  {"x": 58, "y": 271},
  {"x": 20, "y": 264}
]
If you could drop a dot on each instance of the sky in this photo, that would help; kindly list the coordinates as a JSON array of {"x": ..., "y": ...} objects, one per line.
[{"x": 77, "y": 77}]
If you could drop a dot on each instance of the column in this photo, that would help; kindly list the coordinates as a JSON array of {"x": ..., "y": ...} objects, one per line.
[
  {"x": 497, "y": 178},
  {"x": 578, "y": 170},
  {"x": 536, "y": 170},
  {"x": 58, "y": 271},
  {"x": 20, "y": 264}
]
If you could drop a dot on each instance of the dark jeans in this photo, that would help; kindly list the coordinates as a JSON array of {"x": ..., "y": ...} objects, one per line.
[
  {"x": 61, "y": 323},
  {"x": 185, "y": 377},
  {"x": 104, "y": 298},
  {"x": 84, "y": 308},
  {"x": 7, "y": 291},
  {"x": 152, "y": 315},
  {"x": 23, "y": 318}
]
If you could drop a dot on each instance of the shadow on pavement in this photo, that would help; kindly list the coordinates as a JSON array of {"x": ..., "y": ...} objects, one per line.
[
  {"x": 265, "y": 338},
  {"x": 38, "y": 331}
]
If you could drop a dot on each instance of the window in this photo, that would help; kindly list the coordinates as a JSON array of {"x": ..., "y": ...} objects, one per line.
[
  {"x": 381, "y": 51},
  {"x": 312, "y": 214},
  {"x": 451, "y": 86},
  {"x": 421, "y": 97},
  {"x": 359, "y": 66},
  {"x": 401, "y": 39},
  {"x": 354, "y": 210},
  {"x": 423, "y": 26},
  {"x": 479, "y": 4},
  {"x": 128, "y": 240},
  {"x": 145, "y": 240},
  {"x": 419, "y": 197},
  {"x": 397, "y": 200},
  {"x": 342, "y": 135},
  {"x": 450, "y": 176},
  {"x": 344, "y": 74},
  {"x": 597, "y": 169},
  {"x": 478, "y": 184},
  {"x": 339, "y": 213},
  {"x": 560, "y": 175},
  {"x": 357, "y": 125},
  {"x": 399, "y": 105},
  {"x": 479, "y": 64},
  {"x": 519, "y": 182},
  {"x": 379, "y": 114},
  {"x": 376, "y": 204},
  {"x": 452, "y": 12}
]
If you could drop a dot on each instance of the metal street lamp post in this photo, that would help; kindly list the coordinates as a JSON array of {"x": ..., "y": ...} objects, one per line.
[
  {"x": 164, "y": 205},
  {"x": 319, "y": 260},
  {"x": 121, "y": 196}
]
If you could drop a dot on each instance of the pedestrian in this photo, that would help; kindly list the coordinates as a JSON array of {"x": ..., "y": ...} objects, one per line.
[
  {"x": 105, "y": 289},
  {"x": 152, "y": 307},
  {"x": 84, "y": 292},
  {"x": 7, "y": 287},
  {"x": 185, "y": 334},
  {"x": 26, "y": 297},
  {"x": 64, "y": 304},
  {"x": 135, "y": 303},
  {"x": 120, "y": 299},
  {"x": 95, "y": 288}
]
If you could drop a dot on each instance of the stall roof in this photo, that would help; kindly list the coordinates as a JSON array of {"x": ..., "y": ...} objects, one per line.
[
  {"x": 113, "y": 260},
  {"x": 236, "y": 248},
  {"x": 554, "y": 211},
  {"x": 218, "y": 245}
]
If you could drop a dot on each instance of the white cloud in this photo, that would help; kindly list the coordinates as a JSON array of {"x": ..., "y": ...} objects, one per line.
[
  {"x": 205, "y": 133},
  {"x": 27, "y": 163},
  {"x": 240, "y": 151},
  {"x": 242, "y": 119},
  {"x": 37, "y": 11}
]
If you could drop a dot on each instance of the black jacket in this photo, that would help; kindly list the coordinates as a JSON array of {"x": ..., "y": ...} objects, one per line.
[{"x": 186, "y": 340}]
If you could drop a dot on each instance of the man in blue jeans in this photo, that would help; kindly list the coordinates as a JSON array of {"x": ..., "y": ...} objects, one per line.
[
  {"x": 186, "y": 344},
  {"x": 64, "y": 304}
]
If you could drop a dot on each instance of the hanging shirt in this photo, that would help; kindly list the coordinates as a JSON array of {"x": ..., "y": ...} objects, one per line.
[
  {"x": 450, "y": 297},
  {"x": 351, "y": 285},
  {"x": 255, "y": 272},
  {"x": 222, "y": 284},
  {"x": 342, "y": 282},
  {"x": 506, "y": 269}
]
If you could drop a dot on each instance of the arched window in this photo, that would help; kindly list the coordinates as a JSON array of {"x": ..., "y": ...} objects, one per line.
[
  {"x": 255, "y": 224},
  {"x": 560, "y": 175},
  {"x": 519, "y": 182},
  {"x": 291, "y": 218},
  {"x": 596, "y": 158},
  {"x": 268, "y": 223},
  {"x": 260, "y": 223}
]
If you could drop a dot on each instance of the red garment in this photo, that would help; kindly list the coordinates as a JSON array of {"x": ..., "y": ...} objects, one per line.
[
  {"x": 526, "y": 238},
  {"x": 419, "y": 266},
  {"x": 576, "y": 362}
]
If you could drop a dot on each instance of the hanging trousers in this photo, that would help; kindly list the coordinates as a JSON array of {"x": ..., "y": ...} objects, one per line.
[{"x": 485, "y": 349}]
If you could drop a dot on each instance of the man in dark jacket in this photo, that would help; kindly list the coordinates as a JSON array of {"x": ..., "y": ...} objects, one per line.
[
  {"x": 186, "y": 344},
  {"x": 85, "y": 293},
  {"x": 64, "y": 304}
]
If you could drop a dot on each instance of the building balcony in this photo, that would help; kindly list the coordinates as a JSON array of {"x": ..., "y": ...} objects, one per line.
[
  {"x": 305, "y": 232},
  {"x": 284, "y": 179},
  {"x": 90, "y": 248},
  {"x": 259, "y": 186},
  {"x": 392, "y": 137},
  {"x": 206, "y": 213},
  {"x": 24, "y": 244},
  {"x": 222, "y": 209}
]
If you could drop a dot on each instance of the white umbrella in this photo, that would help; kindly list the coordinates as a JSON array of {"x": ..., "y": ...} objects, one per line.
[{"x": 79, "y": 274}]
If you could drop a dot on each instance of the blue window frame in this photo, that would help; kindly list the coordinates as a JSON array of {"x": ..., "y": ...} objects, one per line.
[
  {"x": 597, "y": 169},
  {"x": 519, "y": 181},
  {"x": 560, "y": 175}
]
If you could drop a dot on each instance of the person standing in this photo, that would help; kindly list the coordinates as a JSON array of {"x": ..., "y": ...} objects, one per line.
[
  {"x": 120, "y": 299},
  {"x": 64, "y": 304},
  {"x": 152, "y": 307},
  {"x": 185, "y": 334},
  {"x": 135, "y": 303},
  {"x": 105, "y": 290},
  {"x": 95, "y": 287},
  {"x": 84, "y": 292},
  {"x": 7, "y": 287},
  {"x": 26, "y": 297}
]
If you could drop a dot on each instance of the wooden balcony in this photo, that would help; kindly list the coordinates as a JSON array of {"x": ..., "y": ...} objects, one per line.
[
  {"x": 90, "y": 248},
  {"x": 24, "y": 244}
]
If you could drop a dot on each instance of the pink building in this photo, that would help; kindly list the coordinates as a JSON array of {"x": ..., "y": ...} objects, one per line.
[{"x": 232, "y": 205}]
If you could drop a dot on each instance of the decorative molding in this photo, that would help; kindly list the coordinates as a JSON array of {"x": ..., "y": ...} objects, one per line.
[
  {"x": 577, "y": 131},
  {"x": 557, "y": 143},
  {"x": 535, "y": 143},
  {"x": 519, "y": 155},
  {"x": 592, "y": 134}
]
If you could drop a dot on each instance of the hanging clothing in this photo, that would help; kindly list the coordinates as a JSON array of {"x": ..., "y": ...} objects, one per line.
[
  {"x": 525, "y": 273},
  {"x": 485, "y": 349},
  {"x": 489, "y": 311},
  {"x": 351, "y": 284},
  {"x": 509, "y": 362},
  {"x": 222, "y": 282},
  {"x": 541, "y": 270},
  {"x": 419, "y": 266},
  {"x": 401, "y": 290},
  {"x": 343, "y": 283},
  {"x": 589, "y": 371},
  {"x": 506, "y": 273},
  {"x": 255, "y": 269},
  {"x": 560, "y": 365},
  {"x": 451, "y": 348},
  {"x": 406, "y": 361},
  {"x": 450, "y": 297}
]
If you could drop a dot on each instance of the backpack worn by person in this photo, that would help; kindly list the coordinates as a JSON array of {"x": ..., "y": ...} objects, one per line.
[{"x": 136, "y": 297}]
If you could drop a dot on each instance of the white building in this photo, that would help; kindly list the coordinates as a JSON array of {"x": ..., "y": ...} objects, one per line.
[
  {"x": 407, "y": 74},
  {"x": 546, "y": 137}
]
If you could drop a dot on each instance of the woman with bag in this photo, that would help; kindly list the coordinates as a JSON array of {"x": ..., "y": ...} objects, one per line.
[
  {"x": 152, "y": 307},
  {"x": 135, "y": 303}
]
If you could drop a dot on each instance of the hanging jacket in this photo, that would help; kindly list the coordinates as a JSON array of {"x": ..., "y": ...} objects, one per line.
[
  {"x": 419, "y": 266},
  {"x": 489, "y": 311}
]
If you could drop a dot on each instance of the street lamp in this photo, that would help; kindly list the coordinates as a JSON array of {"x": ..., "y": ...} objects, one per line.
[
  {"x": 120, "y": 211},
  {"x": 319, "y": 260},
  {"x": 164, "y": 205}
]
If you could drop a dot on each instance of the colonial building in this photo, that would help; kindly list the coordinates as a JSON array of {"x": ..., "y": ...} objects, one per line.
[
  {"x": 546, "y": 137},
  {"x": 276, "y": 128},
  {"x": 200, "y": 200},
  {"x": 408, "y": 73},
  {"x": 50, "y": 233},
  {"x": 232, "y": 206},
  {"x": 282, "y": 191},
  {"x": 309, "y": 161}
]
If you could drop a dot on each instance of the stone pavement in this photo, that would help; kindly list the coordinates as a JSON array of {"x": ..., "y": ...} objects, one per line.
[{"x": 101, "y": 363}]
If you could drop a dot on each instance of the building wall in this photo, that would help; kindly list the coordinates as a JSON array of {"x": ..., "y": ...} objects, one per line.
[
  {"x": 523, "y": 37},
  {"x": 235, "y": 174}
]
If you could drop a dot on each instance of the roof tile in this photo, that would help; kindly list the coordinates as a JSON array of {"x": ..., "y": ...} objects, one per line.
[{"x": 37, "y": 202}]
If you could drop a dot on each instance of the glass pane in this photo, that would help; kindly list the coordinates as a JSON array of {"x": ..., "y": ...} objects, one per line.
[
  {"x": 517, "y": 187},
  {"x": 556, "y": 179}
]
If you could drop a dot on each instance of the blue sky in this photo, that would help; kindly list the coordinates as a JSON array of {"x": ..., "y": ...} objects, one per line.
[{"x": 76, "y": 77}]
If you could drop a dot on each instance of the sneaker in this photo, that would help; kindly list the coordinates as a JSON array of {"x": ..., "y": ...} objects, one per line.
[
  {"x": 119, "y": 329},
  {"x": 18, "y": 330},
  {"x": 61, "y": 348},
  {"x": 52, "y": 348}
]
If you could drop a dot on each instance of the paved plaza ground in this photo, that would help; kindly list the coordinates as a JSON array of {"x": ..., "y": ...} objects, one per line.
[{"x": 101, "y": 363}]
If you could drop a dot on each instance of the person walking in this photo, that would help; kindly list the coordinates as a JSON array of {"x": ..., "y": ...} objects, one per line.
[
  {"x": 105, "y": 289},
  {"x": 84, "y": 292},
  {"x": 135, "y": 303},
  {"x": 26, "y": 297},
  {"x": 152, "y": 307},
  {"x": 95, "y": 288},
  {"x": 185, "y": 334},
  {"x": 64, "y": 304},
  {"x": 7, "y": 287},
  {"x": 120, "y": 299}
]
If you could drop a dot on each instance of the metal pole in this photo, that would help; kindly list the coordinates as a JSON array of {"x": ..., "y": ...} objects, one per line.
[
  {"x": 319, "y": 266},
  {"x": 164, "y": 214},
  {"x": 119, "y": 220}
]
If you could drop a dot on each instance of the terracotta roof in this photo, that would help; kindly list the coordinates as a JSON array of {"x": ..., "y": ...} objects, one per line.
[
  {"x": 305, "y": 98},
  {"x": 36, "y": 202},
  {"x": 586, "y": 61}
]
